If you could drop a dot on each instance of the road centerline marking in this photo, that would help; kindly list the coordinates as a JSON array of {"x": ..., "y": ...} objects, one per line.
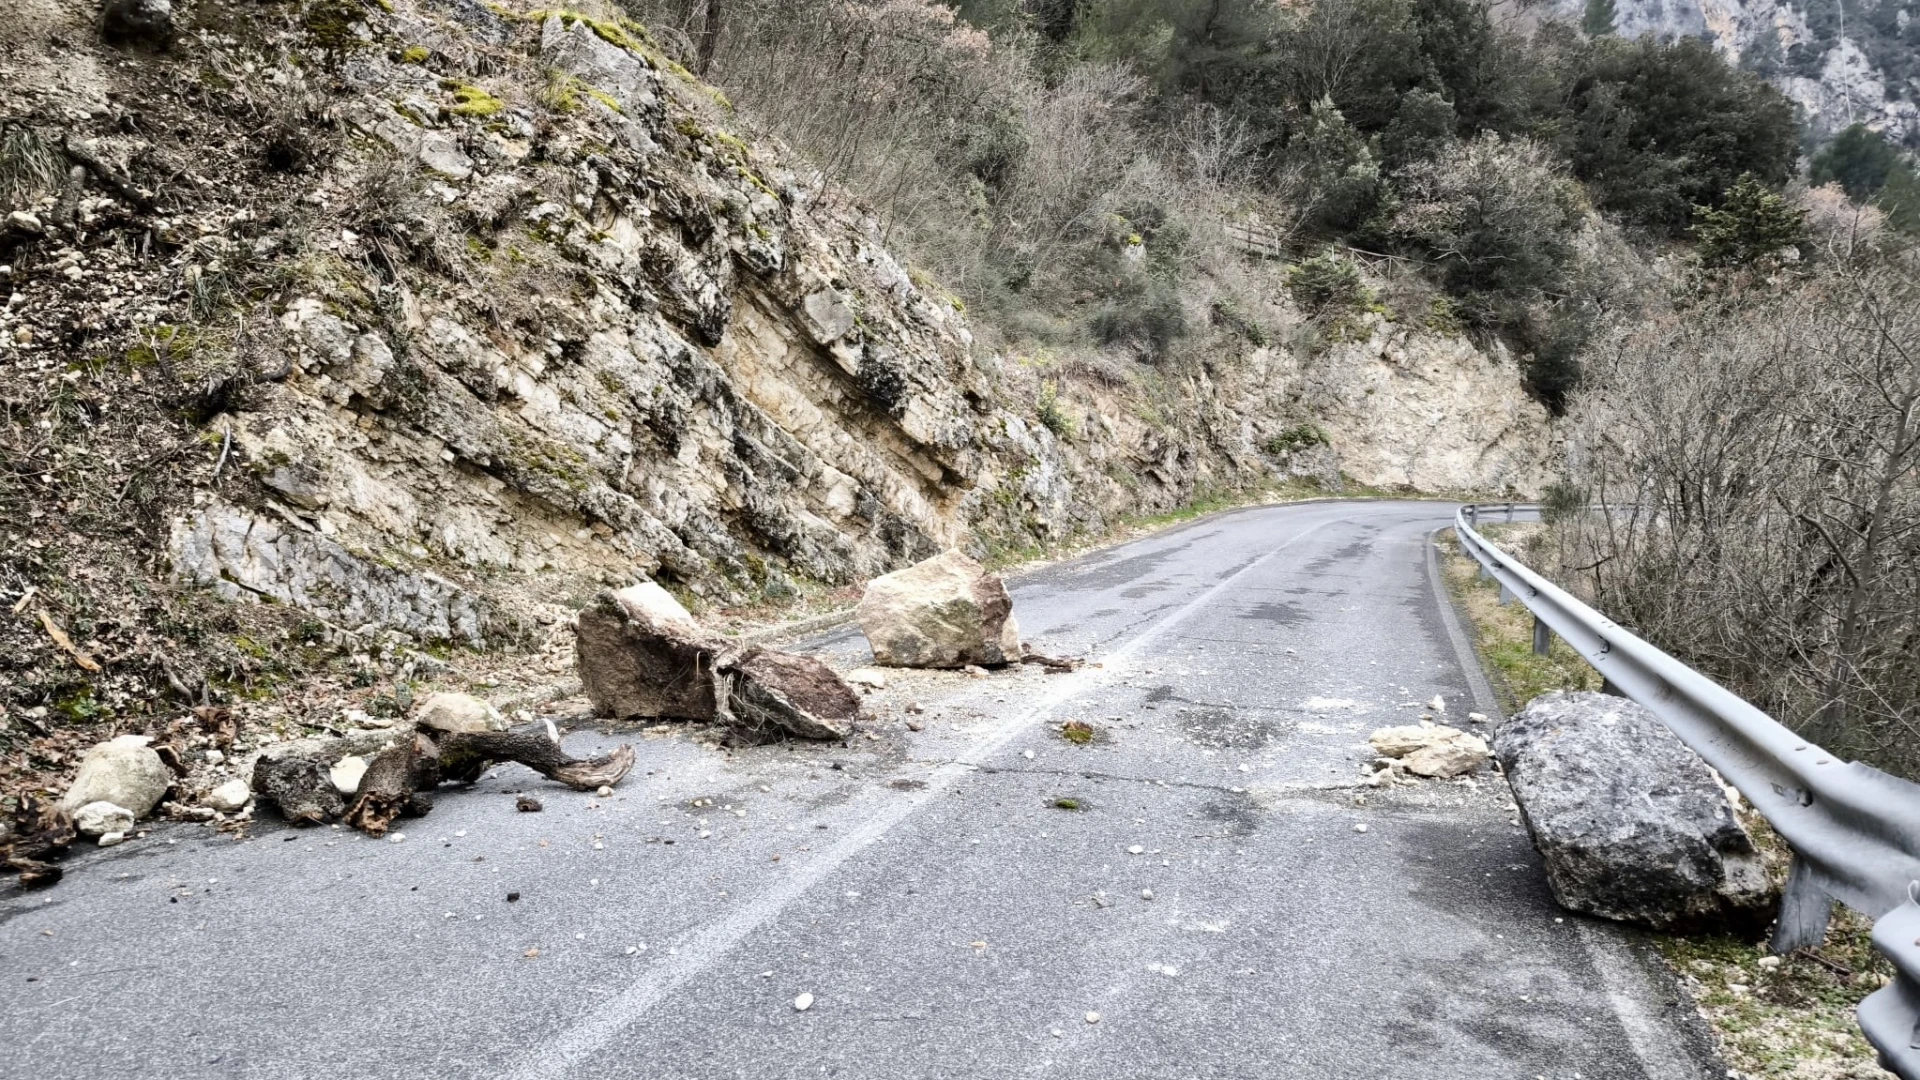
[{"x": 556, "y": 1057}]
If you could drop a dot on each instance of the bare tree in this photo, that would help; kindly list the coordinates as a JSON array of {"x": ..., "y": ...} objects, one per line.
[{"x": 1762, "y": 460}]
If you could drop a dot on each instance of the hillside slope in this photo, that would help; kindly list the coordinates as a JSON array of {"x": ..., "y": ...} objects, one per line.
[{"x": 422, "y": 320}]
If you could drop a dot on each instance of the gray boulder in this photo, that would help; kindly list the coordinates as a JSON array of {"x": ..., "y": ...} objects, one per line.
[
  {"x": 141, "y": 22},
  {"x": 946, "y": 612},
  {"x": 125, "y": 772},
  {"x": 1631, "y": 824}
]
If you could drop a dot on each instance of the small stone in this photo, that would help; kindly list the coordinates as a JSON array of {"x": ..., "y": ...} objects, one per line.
[
  {"x": 1438, "y": 704},
  {"x": 803, "y": 1003},
  {"x": 915, "y": 707},
  {"x": 1093, "y": 1018},
  {"x": 1146, "y": 894},
  {"x": 868, "y": 677},
  {"x": 397, "y": 838},
  {"x": 513, "y": 898},
  {"x": 1359, "y": 828},
  {"x": 1769, "y": 962},
  {"x": 101, "y": 817},
  {"x": 1477, "y": 717},
  {"x": 112, "y": 838},
  {"x": 1135, "y": 850},
  {"x": 975, "y": 671},
  {"x": 527, "y": 804},
  {"x": 346, "y": 773},
  {"x": 229, "y": 796},
  {"x": 915, "y": 725},
  {"x": 215, "y": 757},
  {"x": 1028, "y": 754},
  {"x": 604, "y": 792}
]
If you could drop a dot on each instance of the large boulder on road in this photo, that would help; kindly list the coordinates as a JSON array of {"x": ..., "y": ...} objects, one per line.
[
  {"x": 641, "y": 654},
  {"x": 946, "y": 612},
  {"x": 124, "y": 771},
  {"x": 796, "y": 695},
  {"x": 1631, "y": 823}
]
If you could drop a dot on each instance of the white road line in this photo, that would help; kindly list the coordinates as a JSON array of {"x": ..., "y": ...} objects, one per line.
[{"x": 556, "y": 1057}]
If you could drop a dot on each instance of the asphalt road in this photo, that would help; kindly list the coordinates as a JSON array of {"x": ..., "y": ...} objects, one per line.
[{"x": 1212, "y": 900}]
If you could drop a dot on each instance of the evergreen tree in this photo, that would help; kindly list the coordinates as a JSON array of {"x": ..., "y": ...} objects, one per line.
[
  {"x": 1753, "y": 222},
  {"x": 1858, "y": 159}
]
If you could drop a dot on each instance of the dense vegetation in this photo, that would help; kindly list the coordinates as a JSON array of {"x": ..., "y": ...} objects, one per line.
[{"x": 1066, "y": 165}]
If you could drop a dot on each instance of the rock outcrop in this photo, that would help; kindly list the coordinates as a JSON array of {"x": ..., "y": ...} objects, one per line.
[
  {"x": 412, "y": 322},
  {"x": 1836, "y": 79},
  {"x": 1631, "y": 824},
  {"x": 946, "y": 612}
]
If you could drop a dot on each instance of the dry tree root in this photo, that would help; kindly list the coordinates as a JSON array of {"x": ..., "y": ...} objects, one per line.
[
  {"x": 1054, "y": 664},
  {"x": 399, "y": 781},
  {"x": 464, "y": 755},
  {"x": 300, "y": 787},
  {"x": 395, "y": 784},
  {"x": 40, "y": 830}
]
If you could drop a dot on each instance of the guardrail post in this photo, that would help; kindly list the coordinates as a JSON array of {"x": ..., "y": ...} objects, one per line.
[
  {"x": 1505, "y": 594},
  {"x": 1542, "y": 637},
  {"x": 1509, "y": 512},
  {"x": 1804, "y": 911}
]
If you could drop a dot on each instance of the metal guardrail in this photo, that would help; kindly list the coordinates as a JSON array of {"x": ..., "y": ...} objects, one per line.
[{"x": 1854, "y": 830}]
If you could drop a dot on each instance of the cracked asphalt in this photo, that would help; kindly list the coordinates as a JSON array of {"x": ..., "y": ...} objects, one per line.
[{"x": 1212, "y": 901}]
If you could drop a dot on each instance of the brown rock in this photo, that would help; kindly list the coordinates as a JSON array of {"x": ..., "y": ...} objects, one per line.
[
  {"x": 798, "y": 695},
  {"x": 641, "y": 654}
]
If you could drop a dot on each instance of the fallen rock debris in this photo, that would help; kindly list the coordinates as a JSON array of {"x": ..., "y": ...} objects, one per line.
[
  {"x": 1631, "y": 824},
  {"x": 1425, "y": 749},
  {"x": 641, "y": 654},
  {"x": 945, "y": 612}
]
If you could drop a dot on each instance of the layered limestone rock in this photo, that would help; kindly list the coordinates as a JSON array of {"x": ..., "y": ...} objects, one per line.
[{"x": 524, "y": 318}]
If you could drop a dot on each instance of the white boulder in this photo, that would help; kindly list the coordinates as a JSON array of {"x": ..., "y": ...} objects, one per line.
[
  {"x": 946, "y": 612},
  {"x": 124, "y": 771},
  {"x": 459, "y": 713},
  {"x": 1428, "y": 749}
]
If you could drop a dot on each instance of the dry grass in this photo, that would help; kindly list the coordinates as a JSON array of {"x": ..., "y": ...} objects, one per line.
[{"x": 1503, "y": 634}]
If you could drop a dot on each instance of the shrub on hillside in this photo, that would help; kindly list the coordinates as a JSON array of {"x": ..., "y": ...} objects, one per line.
[{"x": 1326, "y": 284}]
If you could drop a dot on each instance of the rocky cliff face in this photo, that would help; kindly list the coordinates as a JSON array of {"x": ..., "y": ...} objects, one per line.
[
  {"x": 1844, "y": 61},
  {"x": 443, "y": 314}
]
